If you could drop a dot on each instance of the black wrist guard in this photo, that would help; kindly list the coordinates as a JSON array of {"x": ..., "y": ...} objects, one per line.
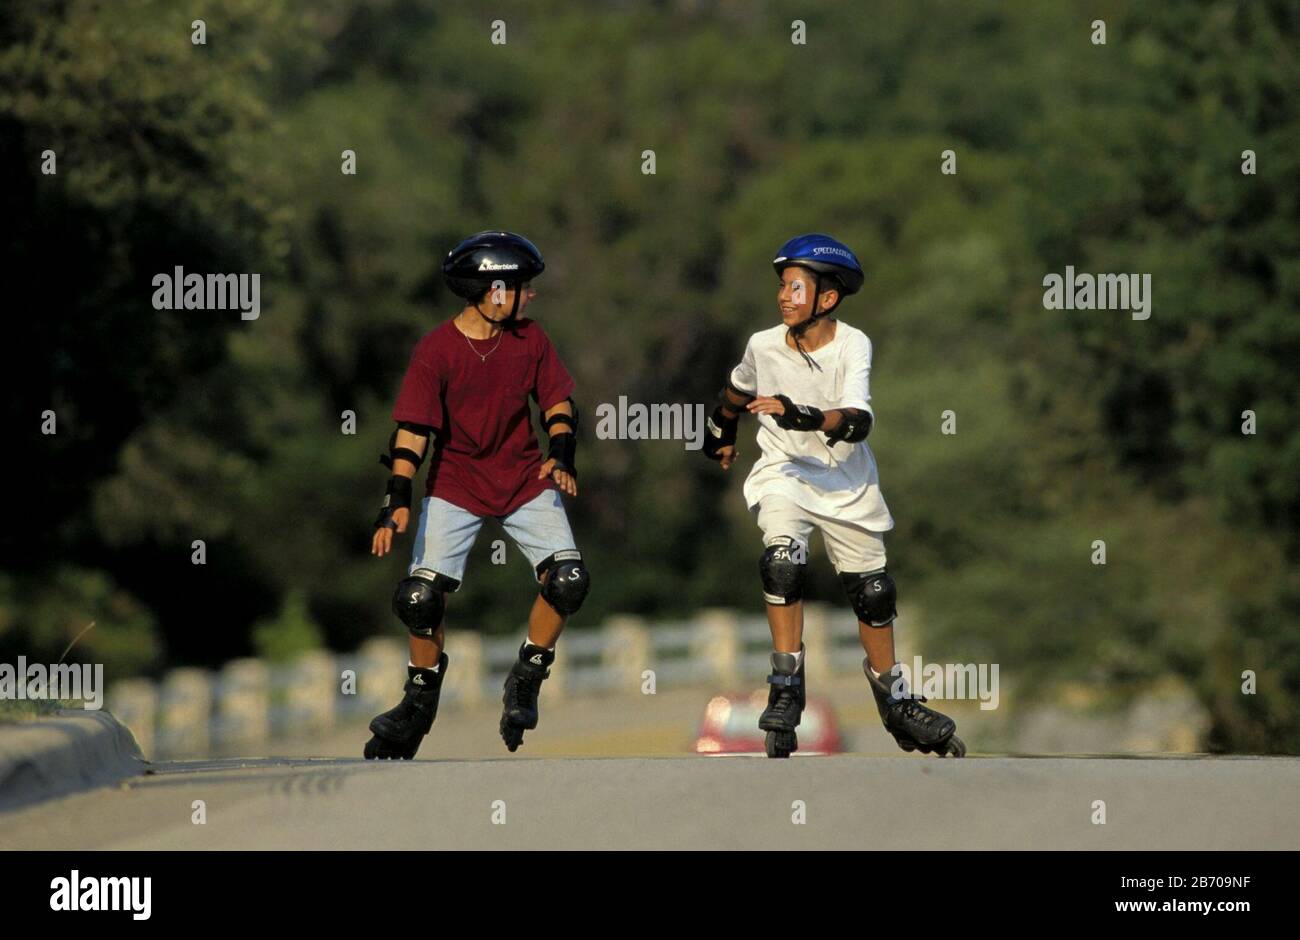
[
  {"x": 720, "y": 432},
  {"x": 398, "y": 496},
  {"x": 798, "y": 417},
  {"x": 854, "y": 426},
  {"x": 564, "y": 450}
]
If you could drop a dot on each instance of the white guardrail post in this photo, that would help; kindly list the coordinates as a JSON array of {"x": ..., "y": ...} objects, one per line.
[
  {"x": 186, "y": 712},
  {"x": 244, "y": 701},
  {"x": 463, "y": 686},
  {"x": 314, "y": 689},
  {"x": 381, "y": 673},
  {"x": 628, "y": 653},
  {"x": 715, "y": 643}
]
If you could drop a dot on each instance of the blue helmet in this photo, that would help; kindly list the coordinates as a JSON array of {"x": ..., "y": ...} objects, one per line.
[{"x": 824, "y": 256}]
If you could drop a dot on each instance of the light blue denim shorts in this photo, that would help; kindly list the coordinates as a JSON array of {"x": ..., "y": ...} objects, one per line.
[{"x": 446, "y": 533}]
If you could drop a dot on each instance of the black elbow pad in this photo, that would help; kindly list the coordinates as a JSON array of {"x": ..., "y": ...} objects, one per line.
[
  {"x": 854, "y": 426},
  {"x": 570, "y": 420},
  {"x": 405, "y": 453},
  {"x": 740, "y": 393}
]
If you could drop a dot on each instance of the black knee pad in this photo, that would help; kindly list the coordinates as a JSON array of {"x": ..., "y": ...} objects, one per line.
[
  {"x": 418, "y": 602},
  {"x": 568, "y": 584},
  {"x": 782, "y": 569},
  {"x": 873, "y": 595}
]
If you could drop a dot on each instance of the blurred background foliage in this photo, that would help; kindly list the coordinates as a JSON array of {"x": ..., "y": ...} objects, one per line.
[{"x": 1073, "y": 426}]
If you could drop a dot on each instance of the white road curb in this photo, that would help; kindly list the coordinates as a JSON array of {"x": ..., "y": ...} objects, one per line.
[{"x": 70, "y": 751}]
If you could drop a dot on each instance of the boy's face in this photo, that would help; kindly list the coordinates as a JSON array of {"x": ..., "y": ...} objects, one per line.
[
  {"x": 796, "y": 293},
  {"x": 504, "y": 297}
]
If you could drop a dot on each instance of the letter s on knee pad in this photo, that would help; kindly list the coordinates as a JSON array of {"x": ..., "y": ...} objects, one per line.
[
  {"x": 782, "y": 569},
  {"x": 568, "y": 584},
  {"x": 418, "y": 602},
  {"x": 874, "y": 596}
]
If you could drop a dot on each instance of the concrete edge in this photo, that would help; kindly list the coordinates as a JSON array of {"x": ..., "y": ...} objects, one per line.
[{"x": 71, "y": 751}]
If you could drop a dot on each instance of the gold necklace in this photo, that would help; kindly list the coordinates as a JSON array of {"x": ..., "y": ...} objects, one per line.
[{"x": 482, "y": 356}]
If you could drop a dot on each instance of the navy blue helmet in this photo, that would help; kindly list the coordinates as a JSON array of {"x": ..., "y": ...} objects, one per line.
[
  {"x": 476, "y": 262},
  {"x": 825, "y": 257}
]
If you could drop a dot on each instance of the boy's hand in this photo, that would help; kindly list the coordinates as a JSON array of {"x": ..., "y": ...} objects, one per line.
[
  {"x": 382, "y": 541},
  {"x": 727, "y": 456},
  {"x": 787, "y": 414},
  {"x": 765, "y": 405},
  {"x": 562, "y": 478}
]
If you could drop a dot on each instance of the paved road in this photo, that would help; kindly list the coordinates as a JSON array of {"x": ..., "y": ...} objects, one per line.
[{"x": 849, "y": 802}]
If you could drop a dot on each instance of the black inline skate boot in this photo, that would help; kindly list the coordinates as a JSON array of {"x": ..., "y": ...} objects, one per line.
[
  {"x": 914, "y": 727},
  {"x": 785, "y": 704},
  {"x": 523, "y": 684},
  {"x": 399, "y": 731}
]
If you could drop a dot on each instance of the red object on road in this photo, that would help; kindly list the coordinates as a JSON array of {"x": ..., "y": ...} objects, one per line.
[{"x": 730, "y": 726}]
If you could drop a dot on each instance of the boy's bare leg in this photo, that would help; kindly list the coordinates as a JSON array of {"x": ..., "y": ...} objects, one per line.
[
  {"x": 786, "y": 622},
  {"x": 878, "y": 642},
  {"x": 544, "y": 624},
  {"x": 425, "y": 650}
]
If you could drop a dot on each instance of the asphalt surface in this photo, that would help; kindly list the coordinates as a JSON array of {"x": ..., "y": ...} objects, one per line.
[{"x": 845, "y": 802}]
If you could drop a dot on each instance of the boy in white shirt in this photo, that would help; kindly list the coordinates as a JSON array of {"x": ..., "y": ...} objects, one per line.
[{"x": 807, "y": 381}]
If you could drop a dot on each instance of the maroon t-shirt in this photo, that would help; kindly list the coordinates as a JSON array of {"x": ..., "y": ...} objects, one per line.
[{"x": 487, "y": 456}]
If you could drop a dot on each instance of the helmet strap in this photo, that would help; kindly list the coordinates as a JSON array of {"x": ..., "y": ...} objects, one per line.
[
  {"x": 797, "y": 331},
  {"x": 509, "y": 319}
]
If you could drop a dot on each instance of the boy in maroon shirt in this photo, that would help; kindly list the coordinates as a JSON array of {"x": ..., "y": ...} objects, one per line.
[{"x": 465, "y": 399}]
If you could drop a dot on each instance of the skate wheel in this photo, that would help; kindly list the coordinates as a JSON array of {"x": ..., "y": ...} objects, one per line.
[
  {"x": 954, "y": 747},
  {"x": 512, "y": 735},
  {"x": 378, "y": 748},
  {"x": 907, "y": 745},
  {"x": 780, "y": 744}
]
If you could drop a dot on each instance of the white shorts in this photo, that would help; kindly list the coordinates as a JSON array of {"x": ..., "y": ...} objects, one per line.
[{"x": 850, "y": 548}]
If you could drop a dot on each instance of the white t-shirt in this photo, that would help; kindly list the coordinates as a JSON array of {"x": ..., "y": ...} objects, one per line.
[{"x": 838, "y": 480}]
